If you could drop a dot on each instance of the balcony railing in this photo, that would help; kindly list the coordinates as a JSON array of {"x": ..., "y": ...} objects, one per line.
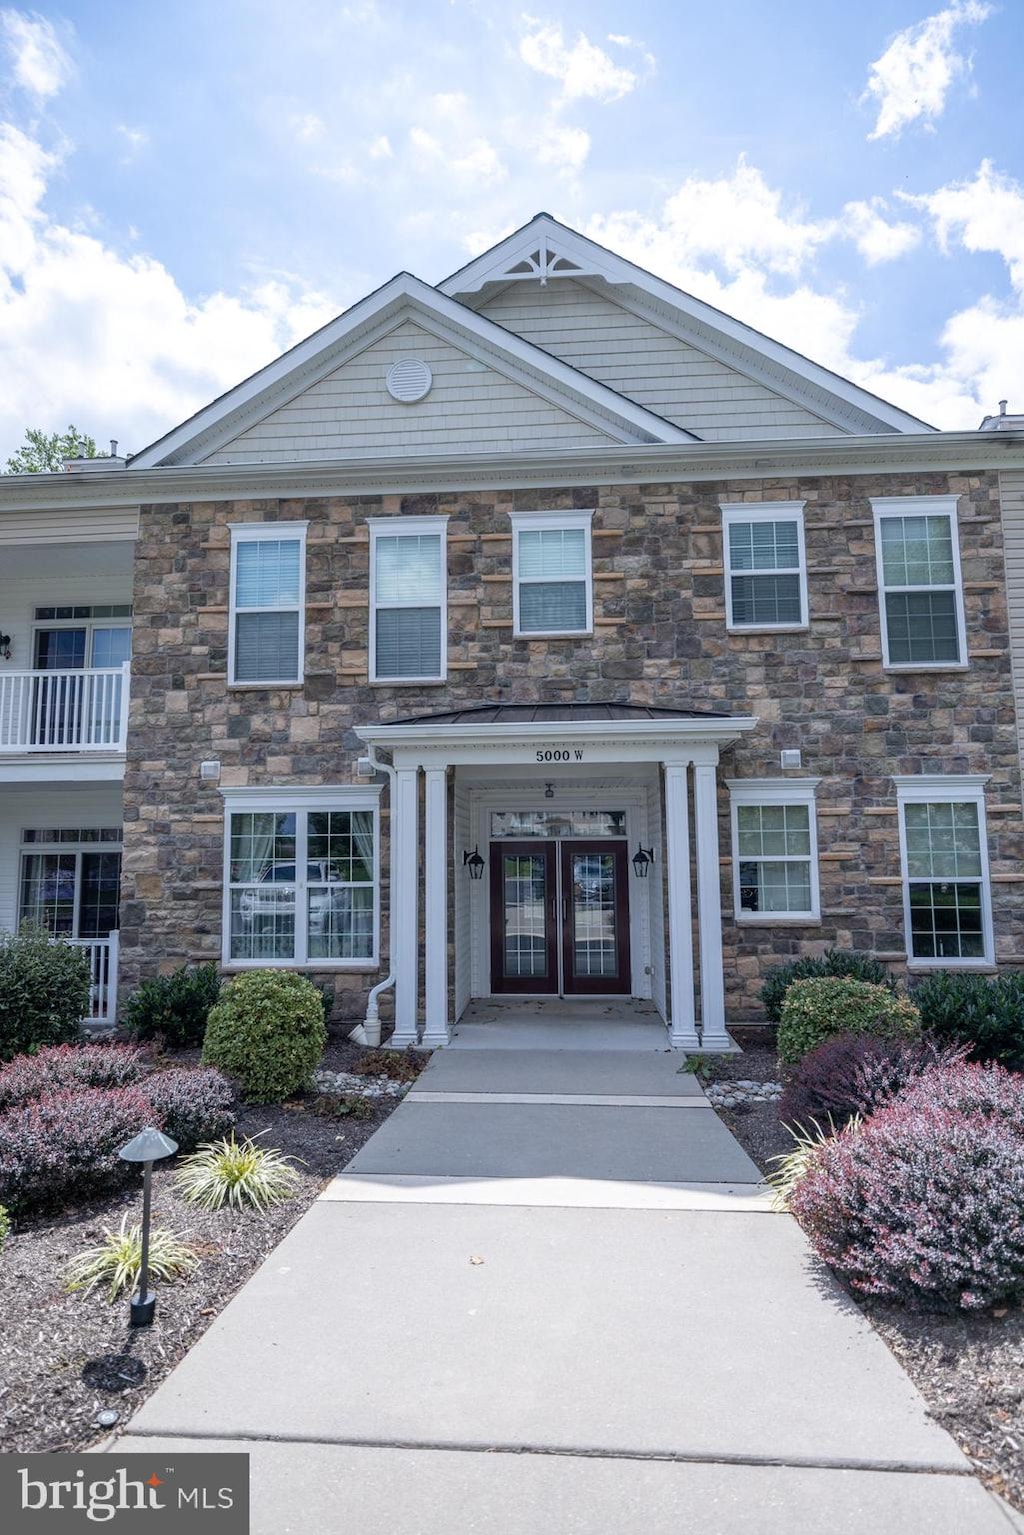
[
  {"x": 102, "y": 954},
  {"x": 64, "y": 711}
]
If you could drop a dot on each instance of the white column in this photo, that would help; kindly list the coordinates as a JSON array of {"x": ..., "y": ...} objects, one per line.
[
  {"x": 404, "y": 904},
  {"x": 435, "y": 896},
  {"x": 683, "y": 1025},
  {"x": 709, "y": 909}
]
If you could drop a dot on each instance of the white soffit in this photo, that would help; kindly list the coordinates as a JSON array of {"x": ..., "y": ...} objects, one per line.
[
  {"x": 405, "y": 297},
  {"x": 545, "y": 251}
]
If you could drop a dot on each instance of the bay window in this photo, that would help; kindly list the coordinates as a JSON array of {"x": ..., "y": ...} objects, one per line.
[{"x": 301, "y": 877}]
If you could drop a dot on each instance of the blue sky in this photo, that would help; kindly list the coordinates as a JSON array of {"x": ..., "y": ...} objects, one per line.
[{"x": 186, "y": 189}]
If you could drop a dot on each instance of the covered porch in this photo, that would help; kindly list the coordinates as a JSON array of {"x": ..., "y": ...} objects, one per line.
[{"x": 556, "y": 854}]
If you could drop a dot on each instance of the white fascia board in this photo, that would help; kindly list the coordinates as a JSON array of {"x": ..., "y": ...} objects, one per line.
[
  {"x": 924, "y": 786},
  {"x": 596, "y": 260},
  {"x": 546, "y": 469},
  {"x": 321, "y": 353},
  {"x": 299, "y": 796},
  {"x": 86, "y": 768}
]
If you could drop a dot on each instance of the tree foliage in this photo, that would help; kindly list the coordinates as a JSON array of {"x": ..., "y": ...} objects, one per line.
[{"x": 47, "y": 452}]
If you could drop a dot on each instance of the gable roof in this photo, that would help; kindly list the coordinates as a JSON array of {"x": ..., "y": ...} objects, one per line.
[
  {"x": 404, "y": 297},
  {"x": 545, "y": 251}
]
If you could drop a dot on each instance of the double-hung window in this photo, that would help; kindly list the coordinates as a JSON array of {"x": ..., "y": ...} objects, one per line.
[
  {"x": 408, "y": 588},
  {"x": 943, "y": 848},
  {"x": 268, "y": 589},
  {"x": 774, "y": 850},
  {"x": 301, "y": 877},
  {"x": 552, "y": 582},
  {"x": 765, "y": 565},
  {"x": 920, "y": 590}
]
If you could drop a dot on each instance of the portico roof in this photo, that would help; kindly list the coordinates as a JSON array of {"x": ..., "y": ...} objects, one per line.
[{"x": 639, "y": 731}]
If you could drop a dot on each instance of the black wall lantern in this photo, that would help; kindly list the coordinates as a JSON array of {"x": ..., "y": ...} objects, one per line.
[
  {"x": 474, "y": 863},
  {"x": 642, "y": 860}
]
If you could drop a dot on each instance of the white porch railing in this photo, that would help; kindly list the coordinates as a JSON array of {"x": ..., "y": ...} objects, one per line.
[
  {"x": 102, "y": 954},
  {"x": 64, "y": 711}
]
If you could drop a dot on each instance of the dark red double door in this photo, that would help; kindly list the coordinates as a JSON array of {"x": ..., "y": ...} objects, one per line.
[{"x": 560, "y": 918}]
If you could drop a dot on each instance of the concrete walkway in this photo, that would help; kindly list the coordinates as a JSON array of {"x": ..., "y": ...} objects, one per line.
[{"x": 548, "y": 1295}]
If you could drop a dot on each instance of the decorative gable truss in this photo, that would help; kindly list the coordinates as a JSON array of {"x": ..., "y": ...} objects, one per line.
[{"x": 408, "y": 370}]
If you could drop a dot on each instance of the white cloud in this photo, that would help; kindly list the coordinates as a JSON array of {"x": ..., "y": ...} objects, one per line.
[
  {"x": 983, "y": 214},
  {"x": 875, "y": 237},
  {"x": 39, "y": 62},
  {"x": 912, "y": 78},
  {"x": 474, "y": 162},
  {"x": 582, "y": 68},
  {"x": 135, "y": 140},
  {"x": 126, "y": 338},
  {"x": 561, "y": 148},
  {"x": 380, "y": 148},
  {"x": 307, "y": 127}
]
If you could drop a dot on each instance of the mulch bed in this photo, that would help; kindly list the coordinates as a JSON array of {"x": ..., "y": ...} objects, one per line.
[
  {"x": 64, "y": 1358},
  {"x": 969, "y": 1369}
]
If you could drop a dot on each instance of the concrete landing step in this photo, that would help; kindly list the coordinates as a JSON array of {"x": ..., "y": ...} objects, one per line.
[{"x": 567, "y": 1193}]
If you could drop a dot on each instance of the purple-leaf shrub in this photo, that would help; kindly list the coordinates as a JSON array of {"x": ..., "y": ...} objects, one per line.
[
  {"x": 63, "y": 1146},
  {"x": 923, "y": 1204},
  {"x": 192, "y": 1104},
  {"x": 57, "y": 1067},
  {"x": 855, "y": 1074}
]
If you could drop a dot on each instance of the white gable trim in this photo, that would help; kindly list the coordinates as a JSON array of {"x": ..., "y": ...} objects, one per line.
[
  {"x": 406, "y": 297},
  {"x": 740, "y": 346}
]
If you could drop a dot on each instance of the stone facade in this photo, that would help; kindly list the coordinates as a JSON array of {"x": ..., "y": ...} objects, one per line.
[{"x": 660, "y": 638}]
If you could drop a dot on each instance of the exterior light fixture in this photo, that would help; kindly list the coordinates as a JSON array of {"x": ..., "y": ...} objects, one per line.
[
  {"x": 474, "y": 863},
  {"x": 642, "y": 860},
  {"x": 149, "y": 1146}
]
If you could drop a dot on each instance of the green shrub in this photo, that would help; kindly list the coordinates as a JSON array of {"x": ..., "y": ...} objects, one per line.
[
  {"x": 985, "y": 1012},
  {"x": 5, "y": 1227},
  {"x": 818, "y": 1009},
  {"x": 268, "y": 1031},
  {"x": 174, "y": 1006},
  {"x": 860, "y": 967},
  {"x": 119, "y": 1258},
  {"x": 44, "y": 991}
]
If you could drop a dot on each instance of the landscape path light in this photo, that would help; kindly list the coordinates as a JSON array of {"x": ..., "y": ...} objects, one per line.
[{"x": 149, "y": 1146}]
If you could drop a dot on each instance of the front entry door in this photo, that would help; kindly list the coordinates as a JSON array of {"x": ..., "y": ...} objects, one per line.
[
  {"x": 524, "y": 898},
  {"x": 595, "y": 919},
  {"x": 560, "y": 918}
]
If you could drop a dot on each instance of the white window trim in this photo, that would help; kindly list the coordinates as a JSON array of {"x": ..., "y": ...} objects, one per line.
[
  {"x": 76, "y": 850},
  {"x": 531, "y": 521},
  {"x": 398, "y": 527},
  {"x": 937, "y": 789},
  {"x": 920, "y": 506},
  {"x": 254, "y": 533},
  {"x": 775, "y": 791},
  {"x": 766, "y": 511},
  {"x": 300, "y": 799}
]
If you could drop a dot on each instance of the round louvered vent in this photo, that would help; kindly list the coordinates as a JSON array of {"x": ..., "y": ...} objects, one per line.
[{"x": 408, "y": 380}]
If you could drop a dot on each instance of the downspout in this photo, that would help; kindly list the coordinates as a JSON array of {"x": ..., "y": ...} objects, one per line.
[{"x": 368, "y": 1032}]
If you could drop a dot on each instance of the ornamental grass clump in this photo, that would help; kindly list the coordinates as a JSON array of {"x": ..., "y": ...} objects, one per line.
[
  {"x": 793, "y": 1166},
  {"x": 816, "y": 1010},
  {"x": 268, "y": 1031},
  {"x": 236, "y": 1173},
  {"x": 855, "y": 1074},
  {"x": 924, "y": 1205},
  {"x": 5, "y": 1227},
  {"x": 118, "y": 1258}
]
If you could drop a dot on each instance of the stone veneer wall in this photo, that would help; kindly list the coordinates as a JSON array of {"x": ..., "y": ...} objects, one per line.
[{"x": 659, "y": 638}]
